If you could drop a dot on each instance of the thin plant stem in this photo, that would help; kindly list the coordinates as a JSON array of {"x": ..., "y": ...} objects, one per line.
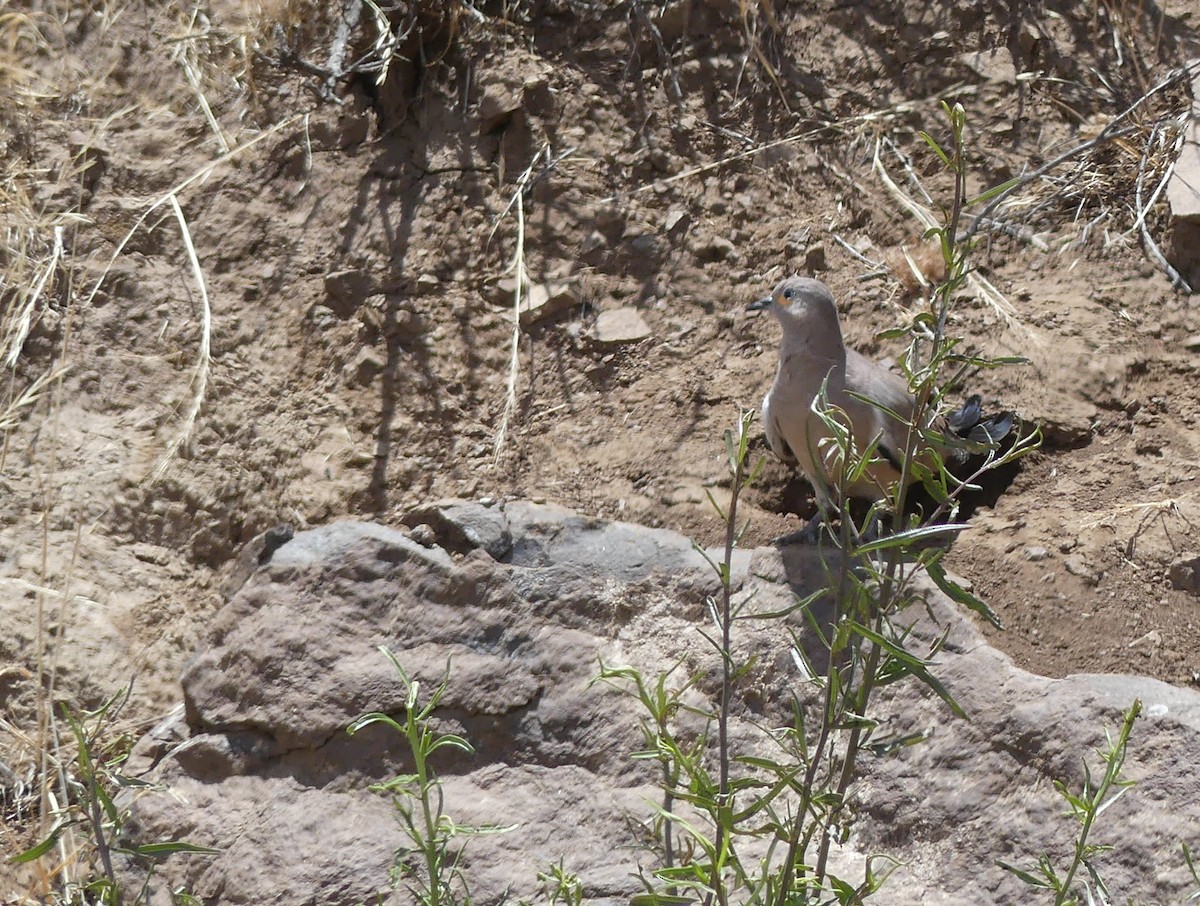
[
  {"x": 726, "y": 615},
  {"x": 1114, "y": 761}
]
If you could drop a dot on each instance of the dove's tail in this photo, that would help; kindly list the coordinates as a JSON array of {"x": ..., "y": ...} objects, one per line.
[{"x": 969, "y": 422}]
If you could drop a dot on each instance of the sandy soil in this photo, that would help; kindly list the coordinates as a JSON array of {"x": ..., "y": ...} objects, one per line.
[{"x": 352, "y": 250}]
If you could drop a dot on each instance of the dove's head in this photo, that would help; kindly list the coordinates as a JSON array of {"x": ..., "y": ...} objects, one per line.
[{"x": 799, "y": 303}]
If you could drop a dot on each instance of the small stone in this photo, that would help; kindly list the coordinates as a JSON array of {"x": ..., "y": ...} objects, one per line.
[
  {"x": 1185, "y": 575},
  {"x": 322, "y": 316},
  {"x": 991, "y": 65},
  {"x": 1036, "y": 554},
  {"x": 426, "y": 282},
  {"x": 716, "y": 249},
  {"x": 1153, "y": 637},
  {"x": 366, "y": 365},
  {"x": 593, "y": 245},
  {"x": 677, "y": 223},
  {"x": 353, "y": 128},
  {"x": 643, "y": 245},
  {"x": 814, "y": 258},
  {"x": 347, "y": 289},
  {"x": 423, "y": 535},
  {"x": 544, "y": 300},
  {"x": 1192, "y": 343},
  {"x": 620, "y": 325},
  {"x": 1077, "y": 566},
  {"x": 497, "y": 106},
  {"x": 500, "y": 292}
]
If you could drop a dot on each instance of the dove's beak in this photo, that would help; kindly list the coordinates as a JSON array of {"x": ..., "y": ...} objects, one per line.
[{"x": 759, "y": 304}]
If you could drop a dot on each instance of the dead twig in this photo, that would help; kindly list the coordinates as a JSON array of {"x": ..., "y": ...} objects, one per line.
[{"x": 1148, "y": 243}]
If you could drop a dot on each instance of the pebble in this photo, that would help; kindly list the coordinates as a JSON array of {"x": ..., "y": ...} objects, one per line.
[
  {"x": 620, "y": 325},
  {"x": 1035, "y": 554},
  {"x": 1185, "y": 575},
  {"x": 677, "y": 223},
  {"x": 716, "y": 249},
  {"x": 423, "y": 535},
  {"x": 1077, "y": 566}
]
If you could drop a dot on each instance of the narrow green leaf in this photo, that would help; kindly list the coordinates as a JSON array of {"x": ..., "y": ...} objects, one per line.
[
  {"x": 659, "y": 899},
  {"x": 375, "y": 717},
  {"x": 37, "y": 851},
  {"x": 909, "y": 537},
  {"x": 106, "y": 803},
  {"x": 453, "y": 742},
  {"x": 993, "y": 192},
  {"x": 167, "y": 849},
  {"x": 1031, "y": 880},
  {"x": 937, "y": 149},
  {"x": 731, "y": 451},
  {"x": 959, "y": 594},
  {"x": 916, "y": 666}
]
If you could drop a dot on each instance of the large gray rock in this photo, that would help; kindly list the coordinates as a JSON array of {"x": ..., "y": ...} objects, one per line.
[{"x": 261, "y": 767}]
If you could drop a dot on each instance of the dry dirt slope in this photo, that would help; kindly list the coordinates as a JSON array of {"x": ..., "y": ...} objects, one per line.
[{"x": 349, "y": 345}]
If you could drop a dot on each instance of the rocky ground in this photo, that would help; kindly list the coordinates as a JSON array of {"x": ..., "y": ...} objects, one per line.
[
  {"x": 526, "y": 600},
  {"x": 250, "y": 292}
]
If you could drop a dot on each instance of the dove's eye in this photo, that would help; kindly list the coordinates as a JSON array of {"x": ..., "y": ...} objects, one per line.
[{"x": 787, "y": 294}]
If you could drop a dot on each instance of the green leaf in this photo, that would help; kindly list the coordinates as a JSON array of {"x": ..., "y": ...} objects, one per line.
[
  {"x": 909, "y": 537},
  {"x": 959, "y": 594},
  {"x": 106, "y": 803},
  {"x": 937, "y": 149},
  {"x": 1031, "y": 880},
  {"x": 375, "y": 717},
  {"x": 167, "y": 849},
  {"x": 844, "y": 890},
  {"x": 892, "y": 744},
  {"x": 993, "y": 192},
  {"x": 977, "y": 361},
  {"x": 453, "y": 742},
  {"x": 399, "y": 780},
  {"x": 731, "y": 451},
  {"x": 659, "y": 899},
  {"x": 39, "y": 850},
  {"x": 916, "y": 666}
]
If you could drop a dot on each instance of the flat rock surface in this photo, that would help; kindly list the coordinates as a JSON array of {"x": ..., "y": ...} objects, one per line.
[
  {"x": 620, "y": 325},
  {"x": 259, "y": 763}
]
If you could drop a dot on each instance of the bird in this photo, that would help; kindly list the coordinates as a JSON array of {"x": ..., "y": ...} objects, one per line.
[{"x": 814, "y": 357}]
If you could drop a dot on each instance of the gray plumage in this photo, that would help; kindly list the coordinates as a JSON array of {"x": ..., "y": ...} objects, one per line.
[{"x": 812, "y": 352}]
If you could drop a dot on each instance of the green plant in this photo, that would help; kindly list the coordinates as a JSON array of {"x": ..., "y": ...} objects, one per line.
[
  {"x": 1085, "y": 807},
  {"x": 561, "y": 886},
  {"x": 435, "y": 878},
  {"x": 88, "y": 825},
  {"x": 736, "y": 825},
  {"x": 661, "y": 703}
]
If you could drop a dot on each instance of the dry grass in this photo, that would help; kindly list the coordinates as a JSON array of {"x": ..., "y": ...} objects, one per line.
[
  {"x": 983, "y": 288},
  {"x": 1109, "y": 183},
  {"x": 49, "y": 96},
  {"x": 1148, "y": 513}
]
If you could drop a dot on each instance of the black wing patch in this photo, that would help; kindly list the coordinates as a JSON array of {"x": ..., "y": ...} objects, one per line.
[{"x": 891, "y": 457}]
